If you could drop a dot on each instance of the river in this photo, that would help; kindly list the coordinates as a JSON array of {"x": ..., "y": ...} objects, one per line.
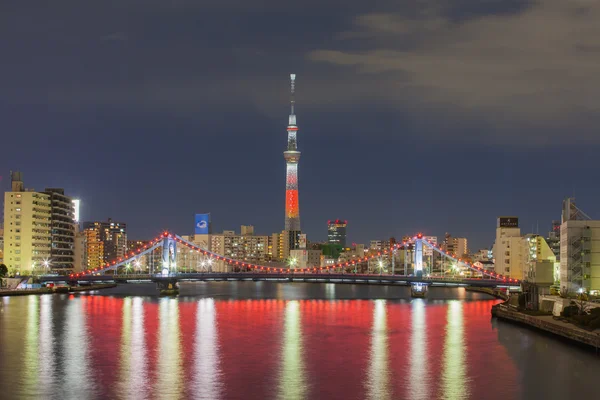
[{"x": 262, "y": 340}]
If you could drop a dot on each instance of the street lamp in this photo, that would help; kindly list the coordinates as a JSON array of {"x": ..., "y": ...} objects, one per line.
[{"x": 293, "y": 262}]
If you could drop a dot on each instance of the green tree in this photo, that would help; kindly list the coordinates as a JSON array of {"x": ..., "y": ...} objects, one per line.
[{"x": 3, "y": 270}]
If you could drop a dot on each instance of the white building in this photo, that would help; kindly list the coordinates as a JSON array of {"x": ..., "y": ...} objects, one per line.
[
  {"x": 580, "y": 255},
  {"x": 508, "y": 260}
]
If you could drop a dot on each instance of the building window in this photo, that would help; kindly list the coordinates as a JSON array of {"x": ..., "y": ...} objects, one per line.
[{"x": 507, "y": 261}]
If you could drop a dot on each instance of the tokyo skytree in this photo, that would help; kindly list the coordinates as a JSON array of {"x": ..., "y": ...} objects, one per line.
[{"x": 292, "y": 156}]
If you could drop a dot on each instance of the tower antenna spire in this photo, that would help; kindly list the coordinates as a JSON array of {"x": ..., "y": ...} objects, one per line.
[{"x": 293, "y": 90}]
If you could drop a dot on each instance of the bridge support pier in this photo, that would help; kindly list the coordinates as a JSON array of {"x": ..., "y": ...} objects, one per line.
[{"x": 167, "y": 284}]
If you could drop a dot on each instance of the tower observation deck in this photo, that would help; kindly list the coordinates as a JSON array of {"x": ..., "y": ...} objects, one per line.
[{"x": 292, "y": 156}]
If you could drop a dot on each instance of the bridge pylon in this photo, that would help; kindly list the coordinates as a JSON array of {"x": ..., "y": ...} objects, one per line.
[
  {"x": 418, "y": 255},
  {"x": 169, "y": 258}
]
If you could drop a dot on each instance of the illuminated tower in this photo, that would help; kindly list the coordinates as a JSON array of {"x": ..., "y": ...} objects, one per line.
[{"x": 292, "y": 156}]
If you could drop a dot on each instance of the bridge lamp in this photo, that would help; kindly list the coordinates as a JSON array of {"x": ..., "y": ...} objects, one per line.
[
  {"x": 293, "y": 262},
  {"x": 137, "y": 264}
]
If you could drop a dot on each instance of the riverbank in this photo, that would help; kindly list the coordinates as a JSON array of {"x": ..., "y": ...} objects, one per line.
[
  {"x": 548, "y": 324},
  {"x": 56, "y": 289}
]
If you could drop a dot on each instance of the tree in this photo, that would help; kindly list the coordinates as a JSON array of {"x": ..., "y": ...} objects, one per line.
[{"x": 3, "y": 270}]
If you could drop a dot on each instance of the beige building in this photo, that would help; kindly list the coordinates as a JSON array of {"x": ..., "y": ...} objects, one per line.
[
  {"x": 80, "y": 250},
  {"x": 249, "y": 248},
  {"x": 27, "y": 229},
  {"x": 305, "y": 258},
  {"x": 1, "y": 245},
  {"x": 455, "y": 245},
  {"x": 508, "y": 259}
]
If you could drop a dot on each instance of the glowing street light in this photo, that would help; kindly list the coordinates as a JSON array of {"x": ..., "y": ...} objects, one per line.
[{"x": 293, "y": 262}]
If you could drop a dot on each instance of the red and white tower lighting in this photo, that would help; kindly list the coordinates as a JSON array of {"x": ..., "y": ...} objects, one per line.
[{"x": 292, "y": 156}]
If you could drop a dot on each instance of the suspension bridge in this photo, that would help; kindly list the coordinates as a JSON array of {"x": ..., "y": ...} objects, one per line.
[{"x": 163, "y": 256}]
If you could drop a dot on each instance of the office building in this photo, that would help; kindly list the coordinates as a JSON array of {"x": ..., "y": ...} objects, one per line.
[{"x": 336, "y": 232}]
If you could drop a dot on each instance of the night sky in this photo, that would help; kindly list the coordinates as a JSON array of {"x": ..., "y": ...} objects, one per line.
[{"x": 432, "y": 116}]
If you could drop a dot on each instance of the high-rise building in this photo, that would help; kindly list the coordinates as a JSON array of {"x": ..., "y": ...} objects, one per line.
[
  {"x": 39, "y": 231},
  {"x": 63, "y": 230},
  {"x": 553, "y": 239},
  {"x": 106, "y": 241},
  {"x": 292, "y": 157},
  {"x": 336, "y": 232}
]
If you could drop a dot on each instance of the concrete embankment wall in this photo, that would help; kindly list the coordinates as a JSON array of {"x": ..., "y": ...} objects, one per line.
[{"x": 549, "y": 325}]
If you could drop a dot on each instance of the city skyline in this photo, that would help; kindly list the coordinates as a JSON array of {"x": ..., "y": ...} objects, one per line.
[{"x": 137, "y": 125}]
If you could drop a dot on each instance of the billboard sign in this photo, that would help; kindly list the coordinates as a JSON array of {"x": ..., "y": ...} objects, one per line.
[
  {"x": 508, "y": 222},
  {"x": 302, "y": 241},
  {"x": 202, "y": 224}
]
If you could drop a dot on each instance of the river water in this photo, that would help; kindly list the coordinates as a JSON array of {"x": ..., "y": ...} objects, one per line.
[{"x": 261, "y": 340}]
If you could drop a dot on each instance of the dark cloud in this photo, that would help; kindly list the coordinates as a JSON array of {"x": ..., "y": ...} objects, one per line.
[
  {"x": 403, "y": 104},
  {"x": 536, "y": 67}
]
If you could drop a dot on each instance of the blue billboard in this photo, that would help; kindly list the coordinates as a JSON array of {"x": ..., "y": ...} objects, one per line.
[{"x": 202, "y": 224}]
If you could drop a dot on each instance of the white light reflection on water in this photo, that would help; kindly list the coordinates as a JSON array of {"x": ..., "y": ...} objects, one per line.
[
  {"x": 207, "y": 373},
  {"x": 77, "y": 377},
  {"x": 292, "y": 380},
  {"x": 46, "y": 343},
  {"x": 133, "y": 372},
  {"x": 378, "y": 380},
  {"x": 31, "y": 356},
  {"x": 455, "y": 383},
  {"x": 419, "y": 380},
  {"x": 169, "y": 380}
]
